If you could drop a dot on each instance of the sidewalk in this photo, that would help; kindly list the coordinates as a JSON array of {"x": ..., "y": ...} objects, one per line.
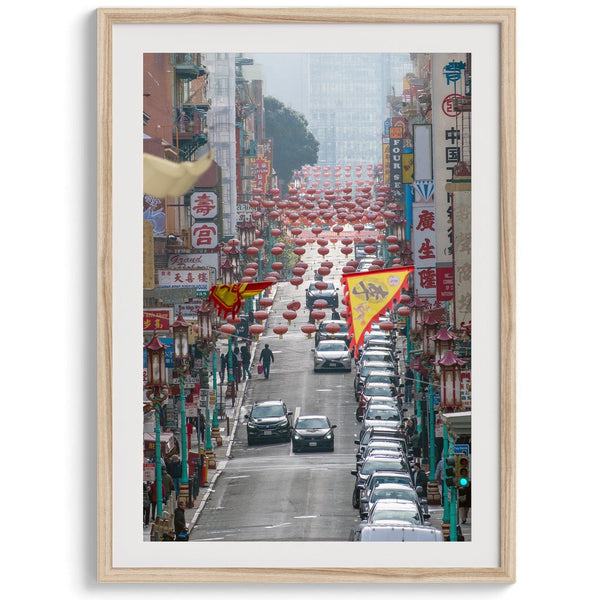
[{"x": 222, "y": 453}]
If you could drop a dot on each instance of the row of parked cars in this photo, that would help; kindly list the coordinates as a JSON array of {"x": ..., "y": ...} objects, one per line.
[{"x": 391, "y": 508}]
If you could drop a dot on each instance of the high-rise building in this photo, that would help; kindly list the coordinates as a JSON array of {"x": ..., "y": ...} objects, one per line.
[{"x": 347, "y": 103}]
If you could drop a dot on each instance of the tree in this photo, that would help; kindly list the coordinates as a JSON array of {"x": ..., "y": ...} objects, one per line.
[{"x": 293, "y": 144}]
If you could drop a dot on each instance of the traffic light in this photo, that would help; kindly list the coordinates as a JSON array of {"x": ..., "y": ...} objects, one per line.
[
  {"x": 449, "y": 471},
  {"x": 462, "y": 471}
]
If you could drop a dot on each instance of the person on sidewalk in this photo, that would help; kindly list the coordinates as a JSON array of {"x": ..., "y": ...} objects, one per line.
[
  {"x": 335, "y": 315},
  {"x": 408, "y": 385},
  {"x": 147, "y": 504},
  {"x": 222, "y": 365},
  {"x": 245, "y": 352},
  {"x": 266, "y": 358},
  {"x": 179, "y": 522},
  {"x": 168, "y": 484},
  {"x": 174, "y": 469},
  {"x": 201, "y": 425},
  {"x": 153, "y": 497},
  {"x": 237, "y": 362}
]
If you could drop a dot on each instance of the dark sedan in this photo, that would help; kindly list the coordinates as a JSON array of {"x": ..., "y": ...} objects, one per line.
[
  {"x": 313, "y": 432},
  {"x": 268, "y": 421}
]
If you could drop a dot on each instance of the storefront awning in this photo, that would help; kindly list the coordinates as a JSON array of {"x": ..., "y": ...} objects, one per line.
[{"x": 458, "y": 423}]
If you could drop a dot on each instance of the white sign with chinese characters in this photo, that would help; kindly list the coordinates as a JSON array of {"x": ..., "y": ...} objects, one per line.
[
  {"x": 196, "y": 278},
  {"x": 204, "y": 236},
  {"x": 424, "y": 244},
  {"x": 204, "y": 205}
]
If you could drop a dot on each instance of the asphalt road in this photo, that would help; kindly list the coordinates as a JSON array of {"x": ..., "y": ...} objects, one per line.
[{"x": 267, "y": 492}]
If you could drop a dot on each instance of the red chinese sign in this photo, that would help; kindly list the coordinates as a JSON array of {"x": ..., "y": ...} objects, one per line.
[
  {"x": 204, "y": 236},
  {"x": 203, "y": 205},
  {"x": 159, "y": 320},
  {"x": 261, "y": 169}
]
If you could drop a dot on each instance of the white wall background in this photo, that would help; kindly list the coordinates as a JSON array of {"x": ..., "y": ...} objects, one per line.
[{"x": 48, "y": 130}]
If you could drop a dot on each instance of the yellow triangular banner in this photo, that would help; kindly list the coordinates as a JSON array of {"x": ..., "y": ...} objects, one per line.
[{"x": 368, "y": 295}]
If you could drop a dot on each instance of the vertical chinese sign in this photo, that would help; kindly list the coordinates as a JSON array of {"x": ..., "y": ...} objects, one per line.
[
  {"x": 424, "y": 240},
  {"x": 261, "y": 169},
  {"x": 448, "y": 91}
]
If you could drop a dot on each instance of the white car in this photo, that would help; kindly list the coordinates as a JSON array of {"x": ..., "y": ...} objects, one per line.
[{"x": 332, "y": 355}]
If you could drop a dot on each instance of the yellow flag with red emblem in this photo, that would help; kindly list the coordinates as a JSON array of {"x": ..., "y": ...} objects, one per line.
[
  {"x": 369, "y": 295},
  {"x": 228, "y": 298}
]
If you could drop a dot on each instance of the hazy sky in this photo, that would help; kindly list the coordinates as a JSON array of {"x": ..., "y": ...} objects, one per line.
[{"x": 285, "y": 78}]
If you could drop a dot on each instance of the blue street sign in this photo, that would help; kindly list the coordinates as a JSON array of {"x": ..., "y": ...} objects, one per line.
[{"x": 461, "y": 449}]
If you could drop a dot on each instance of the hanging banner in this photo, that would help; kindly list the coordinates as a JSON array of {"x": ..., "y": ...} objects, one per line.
[
  {"x": 368, "y": 295},
  {"x": 424, "y": 248},
  {"x": 228, "y": 298}
]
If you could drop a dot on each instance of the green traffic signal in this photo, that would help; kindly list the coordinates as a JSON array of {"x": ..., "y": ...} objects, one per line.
[{"x": 462, "y": 471}]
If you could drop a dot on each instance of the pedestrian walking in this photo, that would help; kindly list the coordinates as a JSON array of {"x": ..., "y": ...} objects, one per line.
[
  {"x": 439, "y": 477},
  {"x": 408, "y": 385},
  {"x": 420, "y": 479},
  {"x": 179, "y": 523},
  {"x": 168, "y": 484},
  {"x": 266, "y": 358},
  {"x": 245, "y": 353},
  {"x": 154, "y": 498},
  {"x": 237, "y": 355},
  {"x": 201, "y": 424},
  {"x": 222, "y": 365},
  {"x": 174, "y": 469},
  {"x": 147, "y": 503}
]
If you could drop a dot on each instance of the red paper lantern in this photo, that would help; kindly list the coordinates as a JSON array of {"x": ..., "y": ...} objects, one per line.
[
  {"x": 332, "y": 328},
  {"x": 275, "y": 232},
  {"x": 276, "y": 250},
  {"x": 321, "y": 285},
  {"x": 228, "y": 329},
  {"x": 323, "y": 251},
  {"x": 256, "y": 329},
  {"x": 252, "y": 250},
  {"x": 280, "y": 330},
  {"x": 386, "y": 326},
  {"x": 261, "y": 315},
  {"x": 320, "y": 303},
  {"x": 323, "y": 271},
  {"x": 265, "y": 302},
  {"x": 296, "y": 281},
  {"x": 318, "y": 314},
  {"x": 289, "y": 316},
  {"x": 370, "y": 249},
  {"x": 347, "y": 270},
  {"x": 346, "y": 251},
  {"x": 299, "y": 251}
]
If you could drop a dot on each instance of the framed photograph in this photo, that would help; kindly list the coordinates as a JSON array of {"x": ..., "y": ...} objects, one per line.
[{"x": 404, "y": 125}]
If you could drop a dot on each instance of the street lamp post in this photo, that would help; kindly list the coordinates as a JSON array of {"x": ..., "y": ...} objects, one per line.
[
  {"x": 182, "y": 367},
  {"x": 157, "y": 391}
]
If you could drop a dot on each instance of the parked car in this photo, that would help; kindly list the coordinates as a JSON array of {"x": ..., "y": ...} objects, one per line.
[
  {"x": 381, "y": 431},
  {"x": 379, "y": 393},
  {"x": 268, "y": 420},
  {"x": 332, "y": 355},
  {"x": 388, "y": 511},
  {"x": 378, "y": 414},
  {"x": 329, "y": 294},
  {"x": 365, "y": 370},
  {"x": 372, "y": 464},
  {"x": 342, "y": 334},
  {"x": 380, "y": 477},
  {"x": 393, "y": 491},
  {"x": 396, "y": 533},
  {"x": 313, "y": 432},
  {"x": 377, "y": 355},
  {"x": 379, "y": 444}
]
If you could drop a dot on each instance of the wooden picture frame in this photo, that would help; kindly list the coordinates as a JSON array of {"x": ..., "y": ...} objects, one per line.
[{"x": 504, "y": 19}]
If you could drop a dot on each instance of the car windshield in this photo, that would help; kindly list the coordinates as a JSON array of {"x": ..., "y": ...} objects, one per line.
[
  {"x": 379, "y": 390},
  {"x": 332, "y": 346},
  {"x": 312, "y": 423},
  {"x": 392, "y": 493},
  {"x": 368, "y": 368},
  {"x": 380, "y": 379},
  {"x": 390, "y": 514},
  {"x": 389, "y": 479},
  {"x": 262, "y": 412},
  {"x": 382, "y": 414},
  {"x": 382, "y": 464}
]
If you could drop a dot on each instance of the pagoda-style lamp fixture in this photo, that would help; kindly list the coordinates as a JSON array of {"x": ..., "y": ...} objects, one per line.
[
  {"x": 205, "y": 321},
  {"x": 450, "y": 383},
  {"x": 417, "y": 309},
  {"x": 227, "y": 272},
  {"x": 443, "y": 341},
  {"x": 429, "y": 326},
  {"x": 157, "y": 391},
  {"x": 247, "y": 233},
  {"x": 234, "y": 258}
]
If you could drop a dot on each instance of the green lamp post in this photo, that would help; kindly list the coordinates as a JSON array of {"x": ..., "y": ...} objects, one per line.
[
  {"x": 182, "y": 367},
  {"x": 157, "y": 391}
]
